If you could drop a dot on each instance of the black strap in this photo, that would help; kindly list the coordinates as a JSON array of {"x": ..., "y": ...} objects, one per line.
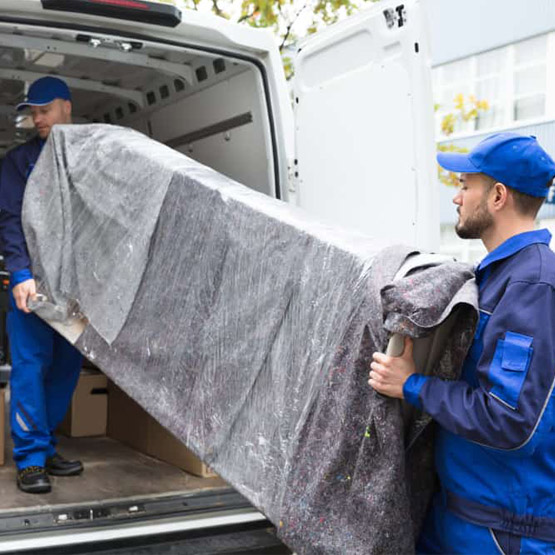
[{"x": 539, "y": 527}]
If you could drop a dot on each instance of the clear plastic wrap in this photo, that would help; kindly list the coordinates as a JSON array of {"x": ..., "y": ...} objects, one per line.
[{"x": 246, "y": 329}]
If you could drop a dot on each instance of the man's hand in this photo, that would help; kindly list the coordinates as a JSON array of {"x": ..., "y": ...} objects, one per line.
[
  {"x": 389, "y": 374},
  {"x": 24, "y": 291}
]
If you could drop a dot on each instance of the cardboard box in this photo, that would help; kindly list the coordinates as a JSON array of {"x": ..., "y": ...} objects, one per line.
[
  {"x": 88, "y": 413},
  {"x": 129, "y": 423},
  {"x": 2, "y": 423}
]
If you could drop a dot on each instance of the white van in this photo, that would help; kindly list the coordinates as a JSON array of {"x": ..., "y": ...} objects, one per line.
[{"x": 352, "y": 144}]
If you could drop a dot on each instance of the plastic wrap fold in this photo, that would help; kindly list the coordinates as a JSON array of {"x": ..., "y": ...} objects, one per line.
[{"x": 246, "y": 329}]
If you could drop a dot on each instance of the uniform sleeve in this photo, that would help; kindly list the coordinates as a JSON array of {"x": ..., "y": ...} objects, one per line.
[
  {"x": 516, "y": 374},
  {"x": 12, "y": 189}
]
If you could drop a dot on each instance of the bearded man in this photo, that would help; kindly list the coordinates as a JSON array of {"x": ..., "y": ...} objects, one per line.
[{"x": 495, "y": 448}]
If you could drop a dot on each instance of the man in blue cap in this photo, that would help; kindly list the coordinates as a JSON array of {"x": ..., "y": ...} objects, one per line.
[
  {"x": 45, "y": 367},
  {"x": 495, "y": 450}
]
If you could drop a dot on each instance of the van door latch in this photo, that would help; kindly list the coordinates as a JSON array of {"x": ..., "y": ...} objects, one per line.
[{"x": 95, "y": 42}]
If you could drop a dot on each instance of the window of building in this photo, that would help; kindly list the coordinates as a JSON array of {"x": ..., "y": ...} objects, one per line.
[
  {"x": 512, "y": 79},
  {"x": 530, "y": 74},
  {"x": 490, "y": 84}
]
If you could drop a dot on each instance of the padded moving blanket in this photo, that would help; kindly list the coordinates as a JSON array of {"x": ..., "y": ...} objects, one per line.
[{"x": 246, "y": 328}]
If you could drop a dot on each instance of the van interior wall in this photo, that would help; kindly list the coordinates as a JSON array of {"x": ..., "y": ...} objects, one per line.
[
  {"x": 208, "y": 106},
  {"x": 224, "y": 126},
  {"x": 242, "y": 152}
]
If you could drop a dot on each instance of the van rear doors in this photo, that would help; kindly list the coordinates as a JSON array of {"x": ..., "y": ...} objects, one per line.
[{"x": 364, "y": 126}]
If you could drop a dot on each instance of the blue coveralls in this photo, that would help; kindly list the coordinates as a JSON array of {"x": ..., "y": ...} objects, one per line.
[
  {"x": 45, "y": 367},
  {"x": 495, "y": 451}
]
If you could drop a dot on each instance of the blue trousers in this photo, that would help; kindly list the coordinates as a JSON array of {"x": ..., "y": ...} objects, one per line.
[
  {"x": 444, "y": 532},
  {"x": 45, "y": 370}
]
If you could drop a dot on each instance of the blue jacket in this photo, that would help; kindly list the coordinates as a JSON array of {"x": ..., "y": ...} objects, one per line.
[
  {"x": 495, "y": 453},
  {"x": 16, "y": 168}
]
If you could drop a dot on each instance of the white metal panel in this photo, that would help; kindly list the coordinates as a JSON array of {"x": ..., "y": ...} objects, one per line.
[
  {"x": 364, "y": 126},
  {"x": 244, "y": 153},
  {"x": 120, "y": 531},
  {"x": 197, "y": 27}
]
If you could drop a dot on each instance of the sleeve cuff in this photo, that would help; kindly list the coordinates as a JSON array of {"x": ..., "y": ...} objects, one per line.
[
  {"x": 20, "y": 276},
  {"x": 412, "y": 387}
]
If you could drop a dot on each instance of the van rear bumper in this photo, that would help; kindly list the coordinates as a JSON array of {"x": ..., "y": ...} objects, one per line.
[{"x": 148, "y": 530}]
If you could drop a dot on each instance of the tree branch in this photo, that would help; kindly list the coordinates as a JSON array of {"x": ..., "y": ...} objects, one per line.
[
  {"x": 216, "y": 9},
  {"x": 248, "y": 15},
  {"x": 289, "y": 26}
]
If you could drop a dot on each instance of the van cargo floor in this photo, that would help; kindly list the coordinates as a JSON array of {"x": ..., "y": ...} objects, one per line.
[
  {"x": 113, "y": 471},
  {"x": 119, "y": 485}
]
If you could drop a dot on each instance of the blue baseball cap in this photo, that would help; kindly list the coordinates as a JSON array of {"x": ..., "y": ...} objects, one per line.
[
  {"x": 45, "y": 90},
  {"x": 517, "y": 161}
]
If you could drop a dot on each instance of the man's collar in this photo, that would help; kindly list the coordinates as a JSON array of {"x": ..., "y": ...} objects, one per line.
[
  {"x": 513, "y": 245},
  {"x": 39, "y": 141}
]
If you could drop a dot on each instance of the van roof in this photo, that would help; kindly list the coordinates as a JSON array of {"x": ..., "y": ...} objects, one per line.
[
  {"x": 134, "y": 58},
  {"x": 195, "y": 27}
]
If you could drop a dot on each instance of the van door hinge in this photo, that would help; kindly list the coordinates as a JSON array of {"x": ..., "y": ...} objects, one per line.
[
  {"x": 292, "y": 175},
  {"x": 395, "y": 16}
]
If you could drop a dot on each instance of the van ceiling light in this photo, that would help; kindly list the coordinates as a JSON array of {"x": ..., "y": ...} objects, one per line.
[{"x": 133, "y": 10}]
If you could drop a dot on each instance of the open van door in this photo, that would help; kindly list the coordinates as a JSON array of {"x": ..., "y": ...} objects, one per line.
[{"x": 364, "y": 126}]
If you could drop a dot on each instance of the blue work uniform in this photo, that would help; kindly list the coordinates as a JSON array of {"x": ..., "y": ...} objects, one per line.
[
  {"x": 495, "y": 451},
  {"x": 45, "y": 367}
]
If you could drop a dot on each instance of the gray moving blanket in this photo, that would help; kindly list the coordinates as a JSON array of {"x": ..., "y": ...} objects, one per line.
[{"x": 246, "y": 329}]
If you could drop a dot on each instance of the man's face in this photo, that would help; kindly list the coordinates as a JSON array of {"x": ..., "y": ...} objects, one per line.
[
  {"x": 44, "y": 117},
  {"x": 472, "y": 201}
]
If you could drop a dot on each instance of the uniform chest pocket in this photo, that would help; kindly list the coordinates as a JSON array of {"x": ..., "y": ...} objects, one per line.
[{"x": 509, "y": 367}]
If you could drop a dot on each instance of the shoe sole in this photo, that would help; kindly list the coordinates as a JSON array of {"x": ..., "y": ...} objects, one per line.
[
  {"x": 47, "y": 488},
  {"x": 64, "y": 472}
]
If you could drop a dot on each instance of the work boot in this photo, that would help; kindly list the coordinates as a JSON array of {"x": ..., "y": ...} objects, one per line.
[
  {"x": 59, "y": 466},
  {"x": 33, "y": 479}
]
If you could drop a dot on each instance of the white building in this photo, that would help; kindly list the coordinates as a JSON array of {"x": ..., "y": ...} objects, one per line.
[{"x": 502, "y": 51}]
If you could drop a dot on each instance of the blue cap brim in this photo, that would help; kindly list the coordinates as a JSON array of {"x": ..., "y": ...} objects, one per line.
[
  {"x": 20, "y": 107},
  {"x": 456, "y": 162}
]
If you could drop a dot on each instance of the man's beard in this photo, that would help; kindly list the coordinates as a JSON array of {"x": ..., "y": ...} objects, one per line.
[{"x": 475, "y": 224}]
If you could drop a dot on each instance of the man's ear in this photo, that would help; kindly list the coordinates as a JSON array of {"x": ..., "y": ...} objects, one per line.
[
  {"x": 499, "y": 195},
  {"x": 67, "y": 108}
]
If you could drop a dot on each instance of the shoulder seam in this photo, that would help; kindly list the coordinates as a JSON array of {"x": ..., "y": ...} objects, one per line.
[{"x": 19, "y": 147}]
